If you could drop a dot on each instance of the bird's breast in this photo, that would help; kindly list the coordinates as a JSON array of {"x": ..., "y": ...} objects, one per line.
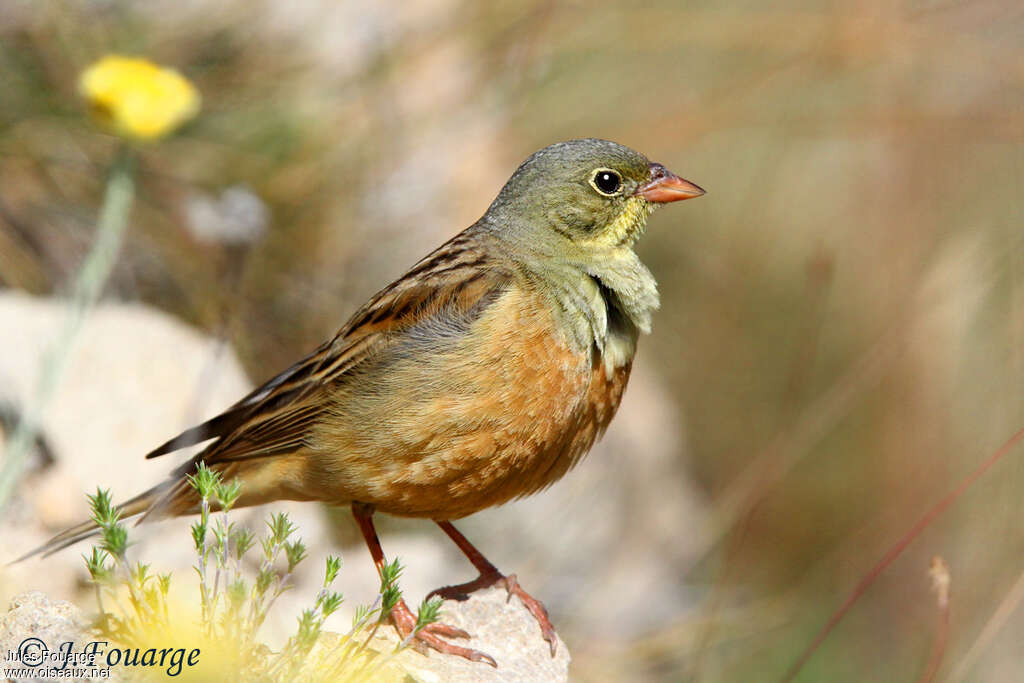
[{"x": 501, "y": 412}]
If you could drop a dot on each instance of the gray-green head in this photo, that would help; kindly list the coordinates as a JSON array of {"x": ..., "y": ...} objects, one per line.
[
  {"x": 571, "y": 213},
  {"x": 588, "y": 191}
]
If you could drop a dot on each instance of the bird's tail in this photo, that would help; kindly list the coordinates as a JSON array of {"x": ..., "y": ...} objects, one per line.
[
  {"x": 176, "y": 496},
  {"x": 156, "y": 503}
]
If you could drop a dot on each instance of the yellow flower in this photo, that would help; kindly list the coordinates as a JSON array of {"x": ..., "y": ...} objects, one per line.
[{"x": 138, "y": 98}]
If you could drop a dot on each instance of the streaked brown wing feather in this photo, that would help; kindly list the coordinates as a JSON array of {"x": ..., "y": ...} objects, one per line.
[{"x": 455, "y": 281}]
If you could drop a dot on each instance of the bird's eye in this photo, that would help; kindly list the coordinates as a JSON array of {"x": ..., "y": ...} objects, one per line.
[{"x": 606, "y": 181}]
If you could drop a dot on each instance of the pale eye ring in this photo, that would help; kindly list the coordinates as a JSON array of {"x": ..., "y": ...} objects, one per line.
[{"x": 606, "y": 181}]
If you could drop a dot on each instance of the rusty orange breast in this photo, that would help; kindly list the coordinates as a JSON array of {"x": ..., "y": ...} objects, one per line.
[{"x": 503, "y": 411}]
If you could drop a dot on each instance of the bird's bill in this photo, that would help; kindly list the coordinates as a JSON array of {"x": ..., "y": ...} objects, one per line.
[{"x": 665, "y": 186}]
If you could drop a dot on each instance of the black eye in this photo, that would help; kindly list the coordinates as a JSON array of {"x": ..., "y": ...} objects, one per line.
[{"x": 607, "y": 181}]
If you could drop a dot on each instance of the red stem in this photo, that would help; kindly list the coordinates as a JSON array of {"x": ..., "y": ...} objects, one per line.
[{"x": 896, "y": 550}]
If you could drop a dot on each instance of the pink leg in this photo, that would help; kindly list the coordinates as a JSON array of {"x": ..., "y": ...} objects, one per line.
[
  {"x": 401, "y": 615},
  {"x": 490, "y": 576}
]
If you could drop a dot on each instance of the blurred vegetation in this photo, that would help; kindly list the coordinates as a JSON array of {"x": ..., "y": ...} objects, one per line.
[{"x": 843, "y": 313}]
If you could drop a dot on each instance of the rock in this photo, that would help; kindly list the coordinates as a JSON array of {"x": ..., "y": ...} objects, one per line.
[
  {"x": 33, "y": 614},
  {"x": 134, "y": 377},
  {"x": 54, "y": 498},
  {"x": 35, "y": 624},
  {"x": 505, "y": 630}
]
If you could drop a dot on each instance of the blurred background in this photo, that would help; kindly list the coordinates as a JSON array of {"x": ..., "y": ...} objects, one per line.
[{"x": 841, "y": 338}]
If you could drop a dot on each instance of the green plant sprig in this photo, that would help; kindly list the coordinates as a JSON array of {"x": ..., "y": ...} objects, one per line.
[{"x": 233, "y": 607}]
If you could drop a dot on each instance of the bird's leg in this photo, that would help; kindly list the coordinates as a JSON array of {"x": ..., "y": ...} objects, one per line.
[
  {"x": 401, "y": 615},
  {"x": 490, "y": 576}
]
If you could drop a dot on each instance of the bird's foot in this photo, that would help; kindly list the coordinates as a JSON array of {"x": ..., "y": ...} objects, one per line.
[
  {"x": 431, "y": 634},
  {"x": 536, "y": 608}
]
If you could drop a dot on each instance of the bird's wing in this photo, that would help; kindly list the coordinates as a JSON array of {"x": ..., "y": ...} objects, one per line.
[{"x": 455, "y": 282}]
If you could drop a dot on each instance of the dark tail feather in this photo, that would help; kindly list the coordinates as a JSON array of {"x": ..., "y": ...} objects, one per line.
[
  {"x": 151, "y": 500},
  {"x": 212, "y": 428}
]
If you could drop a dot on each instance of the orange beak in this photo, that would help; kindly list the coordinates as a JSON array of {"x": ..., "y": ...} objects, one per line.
[{"x": 665, "y": 186}]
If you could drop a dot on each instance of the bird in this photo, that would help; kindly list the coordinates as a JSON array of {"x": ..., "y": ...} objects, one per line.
[{"x": 481, "y": 375}]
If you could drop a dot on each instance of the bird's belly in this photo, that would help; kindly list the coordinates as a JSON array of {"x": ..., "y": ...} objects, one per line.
[{"x": 502, "y": 412}]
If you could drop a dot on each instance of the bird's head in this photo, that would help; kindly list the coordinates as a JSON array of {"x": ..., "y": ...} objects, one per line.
[{"x": 595, "y": 194}]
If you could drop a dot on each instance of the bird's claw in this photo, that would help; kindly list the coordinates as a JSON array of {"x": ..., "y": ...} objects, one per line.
[
  {"x": 460, "y": 592},
  {"x": 431, "y": 634}
]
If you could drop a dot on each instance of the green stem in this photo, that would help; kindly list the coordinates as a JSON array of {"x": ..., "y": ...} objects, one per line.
[{"x": 95, "y": 270}]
